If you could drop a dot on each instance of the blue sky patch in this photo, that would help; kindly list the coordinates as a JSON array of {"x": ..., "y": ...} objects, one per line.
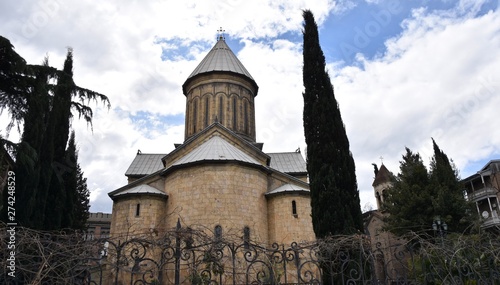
[
  {"x": 149, "y": 122},
  {"x": 176, "y": 49},
  {"x": 473, "y": 167},
  {"x": 365, "y": 28}
]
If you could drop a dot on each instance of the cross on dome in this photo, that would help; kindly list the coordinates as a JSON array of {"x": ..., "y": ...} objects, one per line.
[{"x": 220, "y": 34}]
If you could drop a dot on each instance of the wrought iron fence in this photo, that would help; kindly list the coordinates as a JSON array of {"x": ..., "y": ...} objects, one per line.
[{"x": 186, "y": 256}]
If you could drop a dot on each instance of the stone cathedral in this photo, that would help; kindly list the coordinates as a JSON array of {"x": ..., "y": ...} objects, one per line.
[{"x": 218, "y": 179}]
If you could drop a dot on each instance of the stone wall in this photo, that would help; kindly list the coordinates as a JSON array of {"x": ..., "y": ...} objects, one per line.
[
  {"x": 287, "y": 225},
  {"x": 129, "y": 220},
  {"x": 227, "y": 194},
  {"x": 385, "y": 246}
]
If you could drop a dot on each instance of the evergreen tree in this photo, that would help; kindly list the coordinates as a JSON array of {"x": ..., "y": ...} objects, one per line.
[
  {"x": 76, "y": 206},
  {"x": 39, "y": 98},
  {"x": 56, "y": 139},
  {"x": 449, "y": 199},
  {"x": 12, "y": 79},
  {"x": 418, "y": 196},
  {"x": 334, "y": 195},
  {"x": 83, "y": 201},
  {"x": 408, "y": 201},
  {"x": 30, "y": 166}
]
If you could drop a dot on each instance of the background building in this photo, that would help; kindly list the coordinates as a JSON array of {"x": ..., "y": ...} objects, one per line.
[
  {"x": 482, "y": 188},
  {"x": 384, "y": 244},
  {"x": 98, "y": 225}
]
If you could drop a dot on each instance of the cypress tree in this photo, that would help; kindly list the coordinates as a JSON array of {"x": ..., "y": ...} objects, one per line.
[
  {"x": 334, "y": 194},
  {"x": 55, "y": 142},
  {"x": 82, "y": 204},
  {"x": 76, "y": 206},
  {"x": 448, "y": 200}
]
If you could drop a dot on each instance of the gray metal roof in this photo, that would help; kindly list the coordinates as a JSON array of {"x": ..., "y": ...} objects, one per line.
[
  {"x": 216, "y": 148},
  {"x": 144, "y": 164},
  {"x": 141, "y": 189},
  {"x": 288, "y": 188},
  {"x": 220, "y": 58},
  {"x": 288, "y": 162}
]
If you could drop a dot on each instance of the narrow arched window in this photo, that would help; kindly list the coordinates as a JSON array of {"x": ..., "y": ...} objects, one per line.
[
  {"x": 294, "y": 208},
  {"x": 221, "y": 109},
  {"x": 234, "y": 114},
  {"x": 195, "y": 114},
  {"x": 218, "y": 237},
  {"x": 207, "y": 109},
  {"x": 246, "y": 237},
  {"x": 245, "y": 112},
  {"x": 138, "y": 210}
]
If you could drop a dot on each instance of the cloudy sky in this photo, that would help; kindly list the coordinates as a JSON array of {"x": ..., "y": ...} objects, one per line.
[{"x": 403, "y": 72}]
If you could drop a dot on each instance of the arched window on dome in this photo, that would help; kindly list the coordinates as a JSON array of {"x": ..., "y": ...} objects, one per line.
[
  {"x": 221, "y": 109},
  {"x": 234, "y": 114},
  {"x": 138, "y": 210},
  {"x": 245, "y": 113},
  {"x": 294, "y": 209},
  {"x": 207, "y": 109},
  {"x": 195, "y": 114}
]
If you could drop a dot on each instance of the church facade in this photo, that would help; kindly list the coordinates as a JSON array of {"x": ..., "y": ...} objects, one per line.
[{"x": 218, "y": 179}]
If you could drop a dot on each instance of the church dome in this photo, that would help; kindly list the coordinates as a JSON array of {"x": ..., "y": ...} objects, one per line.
[
  {"x": 220, "y": 59},
  {"x": 220, "y": 89}
]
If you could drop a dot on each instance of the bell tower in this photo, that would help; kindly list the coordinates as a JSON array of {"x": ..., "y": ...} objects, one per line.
[
  {"x": 220, "y": 89},
  {"x": 382, "y": 181}
]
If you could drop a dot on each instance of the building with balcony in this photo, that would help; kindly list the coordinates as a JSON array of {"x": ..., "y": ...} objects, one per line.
[{"x": 483, "y": 188}]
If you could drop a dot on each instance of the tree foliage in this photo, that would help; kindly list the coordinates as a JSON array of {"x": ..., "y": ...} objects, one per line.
[
  {"x": 334, "y": 195},
  {"x": 419, "y": 196},
  {"x": 449, "y": 199},
  {"x": 77, "y": 202},
  {"x": 40, "y": 99}
]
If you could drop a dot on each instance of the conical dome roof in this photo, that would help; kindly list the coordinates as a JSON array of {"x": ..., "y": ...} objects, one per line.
[{"x": 220, "y": 59}]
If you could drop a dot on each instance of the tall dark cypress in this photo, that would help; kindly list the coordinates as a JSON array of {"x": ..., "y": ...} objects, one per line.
[
  {"x": 55, "y": 143},
  {"x": 76, "y": 206},
  {"x": 334, "y": 194},
  {"x": 448, "y": 200}
]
